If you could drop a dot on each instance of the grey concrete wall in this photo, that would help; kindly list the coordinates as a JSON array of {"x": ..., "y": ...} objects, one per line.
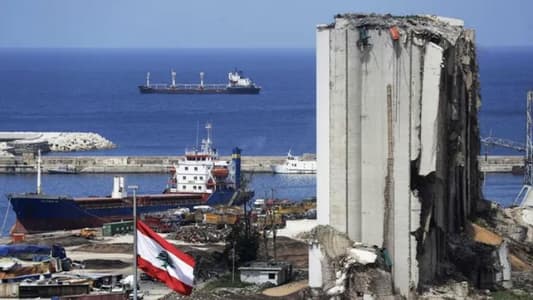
[
  {"x": 258, "y": 164},
  {"x": 322, "y": 123},
  {"x": 401, "y": 142},
  {"x": 124, "y": 164}
]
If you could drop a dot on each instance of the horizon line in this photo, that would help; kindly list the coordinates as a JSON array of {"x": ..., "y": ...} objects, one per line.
[
  {"x": 479, "y": 46},
  {"x": 170, "y": 48}
]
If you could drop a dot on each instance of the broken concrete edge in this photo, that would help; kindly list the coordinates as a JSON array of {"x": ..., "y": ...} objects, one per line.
[
  {"x": 340, "y": 257},
  {"x": 483, "y": 235},
  {"x": 434, "y": 27}
]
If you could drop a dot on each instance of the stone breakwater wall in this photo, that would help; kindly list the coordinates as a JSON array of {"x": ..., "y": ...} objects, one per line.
[
  {"x": 28, "y": 142},
  {"x": 501, "y": 164},
  {"x": 122, "y": 164},
  {"x": 77, "y": 141}
]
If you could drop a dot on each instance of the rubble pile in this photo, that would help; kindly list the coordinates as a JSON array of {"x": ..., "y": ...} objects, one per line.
[
  {"x": 209, "y": 265},
  {"x": 474, "y": 260},
  {"x": 459, "y": 290},
  {"x": 512, "y": 225},
  {"x": 199, "y": 233},
  {"x": 352, "y": 269}
]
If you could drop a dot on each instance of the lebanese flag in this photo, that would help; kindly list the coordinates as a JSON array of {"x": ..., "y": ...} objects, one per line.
[{"x": 161, "y": 260}]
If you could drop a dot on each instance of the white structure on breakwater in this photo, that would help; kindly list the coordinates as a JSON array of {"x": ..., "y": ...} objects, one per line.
[{"x": 397, "y": 137}]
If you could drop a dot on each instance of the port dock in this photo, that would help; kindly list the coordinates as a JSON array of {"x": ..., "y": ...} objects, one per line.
[
  {"x": 120, "y": 164},
  {"x": 160, "y": 164}
]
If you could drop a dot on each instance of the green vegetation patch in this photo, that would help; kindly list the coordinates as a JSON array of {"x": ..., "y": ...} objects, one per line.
[{"x": 509, "y": 295}]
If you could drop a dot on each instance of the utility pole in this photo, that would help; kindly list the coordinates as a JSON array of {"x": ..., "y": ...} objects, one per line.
[
  {"x": 39, "y": 161},
  {"x": 233, "y": 264},
  {"x": 273, "y": 226},
  {"x": 134, "y": 188}
]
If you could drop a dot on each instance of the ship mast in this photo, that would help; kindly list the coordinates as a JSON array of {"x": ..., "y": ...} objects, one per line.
[
  {"x": 173, "y": 74},
  {"x": 207, "y": 143},
  {"x": 208, "y": 127},
  {"x": 147, "y": 79},
  {"x": 202, "y": 80}
]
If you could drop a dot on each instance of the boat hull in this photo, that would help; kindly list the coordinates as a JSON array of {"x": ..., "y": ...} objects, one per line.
[
  {"x": 62, "y": 171},
  {"x": 282, "y": 169},
  {"x": 38, "y": 213},
  {"x": 227, "y": 90}
]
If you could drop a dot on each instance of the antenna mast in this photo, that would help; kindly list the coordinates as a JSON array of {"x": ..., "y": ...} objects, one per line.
[
  {"x": 173, "y": 73},
  {"x": 208, "y": 127},
  {"x": 197, "y": 132}
]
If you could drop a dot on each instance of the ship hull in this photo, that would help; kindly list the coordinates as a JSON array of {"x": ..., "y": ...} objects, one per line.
[
  {"x": 283, "y": 169},
  {"x": 193, "y": 91},
  {"x": 38, "y": 213}
]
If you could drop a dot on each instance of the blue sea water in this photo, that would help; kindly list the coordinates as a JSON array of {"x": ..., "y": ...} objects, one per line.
[{"x": 96, "y": 90}]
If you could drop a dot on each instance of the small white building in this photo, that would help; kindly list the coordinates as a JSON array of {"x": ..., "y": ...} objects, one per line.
[{"x": 261, "y": 272}]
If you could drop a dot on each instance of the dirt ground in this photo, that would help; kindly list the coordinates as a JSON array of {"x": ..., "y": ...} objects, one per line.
[
  {"x": 96, "y": 247},
  {"x": 287, "y": 249},
  {"x": 97, "y": 264},
  {"x": 114, "y": 254},
  {"x": 65, "y": 239}
]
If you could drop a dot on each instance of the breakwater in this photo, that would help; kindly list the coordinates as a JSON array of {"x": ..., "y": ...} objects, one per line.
[
  {"x": 161, "y": 164},
  {"x": 501, "y": 163},
  {"x": 120, "y": 164},
  {"x": 18, "y": 143}
]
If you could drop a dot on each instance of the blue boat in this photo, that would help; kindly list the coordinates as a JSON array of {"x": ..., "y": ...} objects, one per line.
[{"x": 200, "y": 178}]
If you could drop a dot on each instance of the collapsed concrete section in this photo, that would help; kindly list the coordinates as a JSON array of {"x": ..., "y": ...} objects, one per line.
[{"x": 397, "y": 136}]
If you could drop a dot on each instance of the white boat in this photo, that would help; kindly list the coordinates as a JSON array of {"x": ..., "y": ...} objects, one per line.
[
  {"x": 201, "y": 171},
  {"x": 296, "y": 165}
]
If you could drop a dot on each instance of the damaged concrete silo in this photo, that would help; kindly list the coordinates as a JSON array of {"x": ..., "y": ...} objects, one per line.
[{"x": 397, "y": 136}]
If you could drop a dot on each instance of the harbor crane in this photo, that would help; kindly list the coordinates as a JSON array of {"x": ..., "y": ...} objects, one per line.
[
  {"x": 525, "y": 196},
  {"x": 505, "y": 143}
]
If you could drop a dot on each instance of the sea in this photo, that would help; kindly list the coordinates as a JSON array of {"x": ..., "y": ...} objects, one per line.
[{"x": 95, "y": 90}]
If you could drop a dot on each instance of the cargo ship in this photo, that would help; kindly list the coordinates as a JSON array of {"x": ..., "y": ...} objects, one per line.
[
  {"x": 237, "y": 84},
  {"x": 200, "y": 178}
]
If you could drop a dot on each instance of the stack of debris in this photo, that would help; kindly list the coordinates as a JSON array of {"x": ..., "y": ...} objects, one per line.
[
  {"x": 351, "y": 269},
  {"x": 201, "y": 234},
  {"x": 513, "y": 226}
]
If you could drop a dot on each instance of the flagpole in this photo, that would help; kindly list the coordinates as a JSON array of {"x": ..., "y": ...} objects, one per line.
[{"x": 134, "y": 188}]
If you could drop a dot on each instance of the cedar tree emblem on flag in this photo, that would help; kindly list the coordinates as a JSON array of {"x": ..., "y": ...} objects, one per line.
[
  {"x": 163, "y": 256},
  {"x": 160, "y": 259}
]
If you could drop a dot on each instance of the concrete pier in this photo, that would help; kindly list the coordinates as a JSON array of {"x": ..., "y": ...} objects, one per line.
[
  {"x": 121, "y": 164},
  {"x": 161, "y": 164},
  {"x": 501, "y": 164}
]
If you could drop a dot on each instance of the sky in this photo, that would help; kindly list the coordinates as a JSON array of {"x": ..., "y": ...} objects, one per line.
[{"x": 232, "y": 23}]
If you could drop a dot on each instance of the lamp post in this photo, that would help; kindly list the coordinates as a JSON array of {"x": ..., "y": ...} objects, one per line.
[{"x": 134, "y": 188}]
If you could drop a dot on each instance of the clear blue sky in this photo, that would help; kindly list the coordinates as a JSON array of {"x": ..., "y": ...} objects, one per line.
[{"x": 233, "y": 23}]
